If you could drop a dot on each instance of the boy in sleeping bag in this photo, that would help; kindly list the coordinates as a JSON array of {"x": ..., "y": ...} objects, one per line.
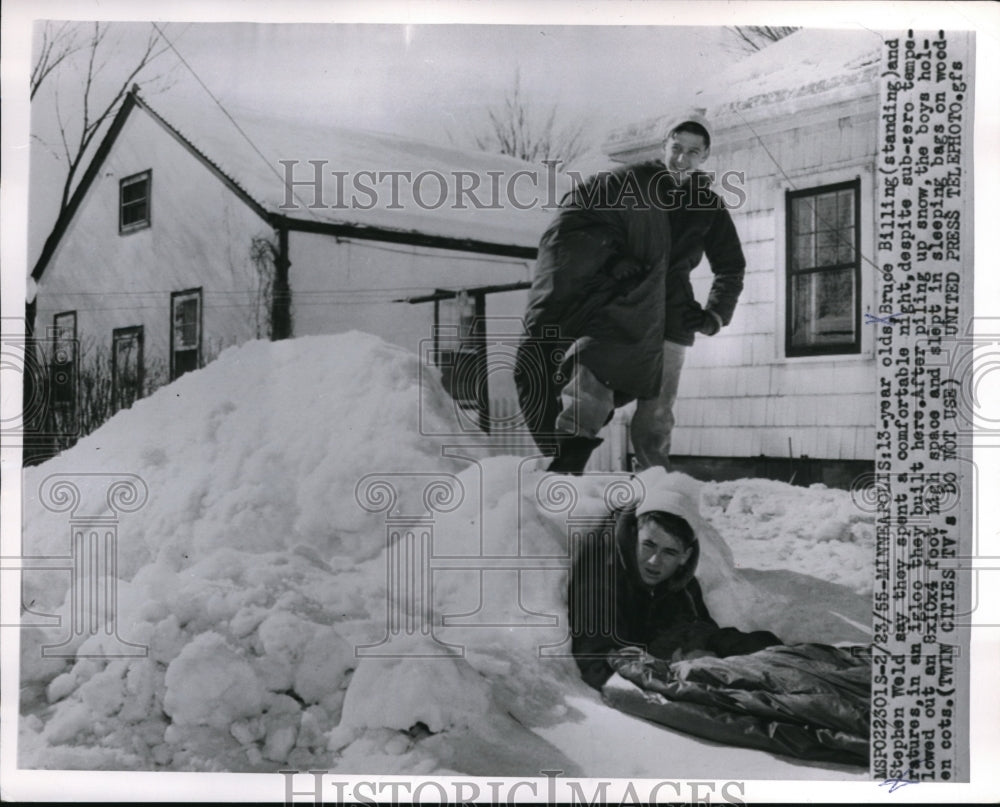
[
  {"x": 636, "y": 609},
  {"x": 633, "y": 584}
]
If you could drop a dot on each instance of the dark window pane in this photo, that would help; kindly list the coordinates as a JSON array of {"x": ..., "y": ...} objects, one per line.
[
  {"x": 134, "y": 213},
  {"x": 845, "y": 209},
  {"x": 823, "y": 293},
  {"x": 802, "y": 216},
  {"x": 464, "y": 377},
  {"x": 823, "y": 308},
  {"x": 804, "y": 255},
  {"x": 63, "y": 365},
  {"x": 186, "y": 323},
  {"x": 134, "y": 191},
  {"x": 185, "y": 361},
  {"x": 64, "y": 377},
  {"x": 827, "y": 242},
  {"x": 826, "y": 212},
  {"x": 845, "y": 246},
  {"x": 186, "y": 342},
  {"x": 455, "y": 319}
]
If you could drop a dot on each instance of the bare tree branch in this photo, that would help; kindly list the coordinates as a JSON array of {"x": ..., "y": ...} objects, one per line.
[
  {"x": 752, "y": 38},
  {"x": 99, "y": 96},
  {"x": 520, "y": 129},
  {"x": 57, "y": 45}
]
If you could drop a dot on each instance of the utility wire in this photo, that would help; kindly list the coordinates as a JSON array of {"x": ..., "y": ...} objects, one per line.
[
  {"x": 791, "y": 183},
  {"x": 225, "y": 112}
]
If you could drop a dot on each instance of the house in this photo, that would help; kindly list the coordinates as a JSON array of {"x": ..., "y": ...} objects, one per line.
[
  {"x": 794, "y": 152},
  {"x": 188, "y": 234},
  {"x": 192, "y": 231}
]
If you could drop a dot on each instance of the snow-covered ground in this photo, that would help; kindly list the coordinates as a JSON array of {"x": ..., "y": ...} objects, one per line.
[
  {"x": 819, "y": 531},
  {"x": 280, "y": 547}
]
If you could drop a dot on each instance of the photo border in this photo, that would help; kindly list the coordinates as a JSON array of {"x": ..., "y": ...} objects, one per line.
[{"x": 17, "y": 15}]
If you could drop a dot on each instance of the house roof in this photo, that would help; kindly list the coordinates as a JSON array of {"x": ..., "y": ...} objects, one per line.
[
  {"x": 807, "y": 69},
  {"x": 386, "y": 187}
]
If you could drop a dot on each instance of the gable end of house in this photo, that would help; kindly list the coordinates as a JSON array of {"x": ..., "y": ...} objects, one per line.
[{"x": 132, "y": 100}]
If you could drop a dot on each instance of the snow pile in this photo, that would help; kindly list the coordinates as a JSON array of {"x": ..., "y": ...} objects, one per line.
[
  {"x": 310, "y": 583},
  {"x": 395, "y": 693},
  {"x": 261, "y": 451},
  {"x": 817, "y": 531},
  {"x": 210, "y": 684}
]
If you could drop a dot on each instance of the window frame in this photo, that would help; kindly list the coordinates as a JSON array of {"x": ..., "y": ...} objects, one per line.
[
  {"x": 142, "y": 224},
  {"x": 116, "y": 334},
  {"x": 474, "y": 343},
  {"x": 73, "y": 361},
  {"x": 180, "y": 296},
  {"x": 842, "y": 349}
]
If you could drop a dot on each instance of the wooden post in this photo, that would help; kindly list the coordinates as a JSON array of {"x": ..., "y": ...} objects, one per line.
[{"x": 281, "y": 303}]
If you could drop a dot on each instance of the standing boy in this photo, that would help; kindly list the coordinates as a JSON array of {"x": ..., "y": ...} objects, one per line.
[{"x": 612, "y": 281}]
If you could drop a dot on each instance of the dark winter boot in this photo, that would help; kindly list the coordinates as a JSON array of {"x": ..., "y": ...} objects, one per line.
[{"x": 572, "y": 454}]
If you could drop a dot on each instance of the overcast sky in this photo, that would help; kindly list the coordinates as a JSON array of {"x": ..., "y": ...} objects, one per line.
[{"x": 421, "y": 78}]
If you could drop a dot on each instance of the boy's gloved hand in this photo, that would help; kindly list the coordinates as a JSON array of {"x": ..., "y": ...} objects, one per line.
[
  {"x": 702, "y": 320},
  {"x": 626, "y": 269},
  {"x": 684, "y": 655}
]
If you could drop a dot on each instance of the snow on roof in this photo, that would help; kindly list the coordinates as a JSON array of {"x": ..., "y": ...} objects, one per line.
[
  {"x": 426, "y": 198},
  {"x": 806, "y": 63},
  {"x": 811, "y": 67}
]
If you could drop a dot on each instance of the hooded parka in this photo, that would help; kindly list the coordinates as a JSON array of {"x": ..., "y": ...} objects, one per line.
[
  {"x": 616, "y": 325},
  {"x": 609, "y": 605}
]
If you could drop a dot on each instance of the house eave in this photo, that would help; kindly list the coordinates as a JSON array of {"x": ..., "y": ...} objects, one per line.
[
  {"x": 132, "y": 100},
  {"x": 335, "y": 229},
  {"x": 205, "y": 160},
  {"x": 408, "y": 237},
  {"x": 66, "y": 217}
]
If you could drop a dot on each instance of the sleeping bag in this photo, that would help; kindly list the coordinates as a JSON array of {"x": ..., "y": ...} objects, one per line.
[{"x": 809, "y": 701}]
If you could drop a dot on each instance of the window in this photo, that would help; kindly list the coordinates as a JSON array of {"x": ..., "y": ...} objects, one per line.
[
  {"x": 63, "y": 369},
  {"x": 823, "y": 300},
  {"x": 461, "y": 351},
  {"x": 134, "y": 202},
  {"x": 126, "y": 367},
  {"x": 185, "y": 332}
]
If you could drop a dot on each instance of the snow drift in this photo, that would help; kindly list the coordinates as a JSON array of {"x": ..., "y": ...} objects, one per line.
[{"x": 316, "y": 584}]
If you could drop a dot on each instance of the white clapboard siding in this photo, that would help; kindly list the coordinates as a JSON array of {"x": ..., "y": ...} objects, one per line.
[
  {"x": 786, "y": 129},
  {"x": 739, "y": 395},
  {"x": 114, "y": 281}
]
